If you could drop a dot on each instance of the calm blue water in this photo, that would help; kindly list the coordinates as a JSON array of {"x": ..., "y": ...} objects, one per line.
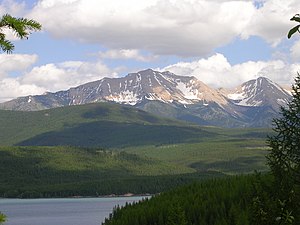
[{"x": 66, "y": 211}]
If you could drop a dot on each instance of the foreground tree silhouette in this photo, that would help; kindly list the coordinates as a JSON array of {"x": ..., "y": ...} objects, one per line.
[
  {"x": 284, "y": 157},
  {"x": 21, "y": 28},
  {"x": 278, "y": 201}
]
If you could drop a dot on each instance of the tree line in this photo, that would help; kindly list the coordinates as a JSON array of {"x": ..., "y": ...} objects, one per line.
[{"x": 218, "y": 201}]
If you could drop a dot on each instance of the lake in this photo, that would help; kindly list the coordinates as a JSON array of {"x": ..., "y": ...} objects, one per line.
[{"x": 63, "y": 211}]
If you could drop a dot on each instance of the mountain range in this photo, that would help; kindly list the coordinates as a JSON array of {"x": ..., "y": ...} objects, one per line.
[{"x": 252, "y": 104}]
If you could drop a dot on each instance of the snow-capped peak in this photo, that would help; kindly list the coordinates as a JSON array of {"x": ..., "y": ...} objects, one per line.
[{"x": 257, "y": 92}]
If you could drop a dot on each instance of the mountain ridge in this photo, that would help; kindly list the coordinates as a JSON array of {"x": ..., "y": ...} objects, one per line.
[{"x": 253, "y": 103}]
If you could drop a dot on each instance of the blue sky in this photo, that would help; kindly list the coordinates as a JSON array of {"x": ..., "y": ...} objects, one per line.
[{"x": 223, "y": 43}]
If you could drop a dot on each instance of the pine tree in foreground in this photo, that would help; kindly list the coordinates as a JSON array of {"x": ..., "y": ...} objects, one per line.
[
  {"x": 21, "y": 28},
  {"x": 280, "y": 203}
]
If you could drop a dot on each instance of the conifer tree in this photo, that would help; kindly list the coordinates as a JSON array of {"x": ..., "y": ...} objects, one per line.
[
  {"x": 176, "y": 215},
  {"x": 21, "y": 28},
  {"x": 284, "y": 158}
]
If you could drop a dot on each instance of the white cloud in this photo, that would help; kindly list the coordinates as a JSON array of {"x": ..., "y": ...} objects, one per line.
[
  {"x": 161, "y": 27},
  {"x": 295, "y": 51},
  {"x": 15, "y": 62},
  {"x": 272, "y": 20},
  {"x": 126, "y": 54},
  {"x": 13, "y": 87},
  {"x": 217, "y": 72},
  {"x": 12, "y": 7},
  {"x": 165, "y": 27},
  {"x": 53, "y": 77}
]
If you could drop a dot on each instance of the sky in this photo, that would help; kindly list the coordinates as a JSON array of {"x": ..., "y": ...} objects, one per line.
[{"x": 222, "y": 43}]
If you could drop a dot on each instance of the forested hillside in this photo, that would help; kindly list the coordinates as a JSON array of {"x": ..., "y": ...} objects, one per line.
[
  {"x": 69, "y": 171},
  {"x": 102, "y": 149},
  {"x": 213, "y": 202},
  {"x": 62, "y": 171},
  {"x": 100, "y": 125}
]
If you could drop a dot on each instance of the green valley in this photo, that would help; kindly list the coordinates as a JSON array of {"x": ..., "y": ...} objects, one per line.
[
  {"x": 105, "y": 125},
  {"x": 100, "y": 149}
]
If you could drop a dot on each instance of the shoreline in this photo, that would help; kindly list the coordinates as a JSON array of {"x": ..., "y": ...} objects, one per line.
[{"x": 127, "y": 195}]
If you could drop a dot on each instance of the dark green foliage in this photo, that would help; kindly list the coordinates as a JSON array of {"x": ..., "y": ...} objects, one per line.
[
  {"x": 284, "y": 158},
  {"x": 292, "y": 31},
  {"x": 263, "y": 202},
  {"x": 267, "y": 207},
  {"x": 213, "y": 202},
  {"x": 21, "y": 27},
  {"x": 176, "y": 215},
  {"x": 117, "y": 135}
]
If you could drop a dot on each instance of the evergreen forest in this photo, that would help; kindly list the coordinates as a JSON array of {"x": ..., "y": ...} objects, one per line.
[{"x": 215, "y": 202}]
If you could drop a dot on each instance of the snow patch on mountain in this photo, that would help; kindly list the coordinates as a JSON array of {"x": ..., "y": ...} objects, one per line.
[
  {"x": 188, "y": 92},
  {"x": 236, "y": 96},
  {"x": 258, "y": 92},
  {"x": 125, "y": 97}
]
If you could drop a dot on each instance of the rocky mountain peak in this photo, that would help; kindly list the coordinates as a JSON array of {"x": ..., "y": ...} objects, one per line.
[
  {"x": 258, "y": 92},
  {"x": 254, "y": 103}
]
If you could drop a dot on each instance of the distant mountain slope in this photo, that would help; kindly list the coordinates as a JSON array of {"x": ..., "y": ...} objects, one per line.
[
  {"x": 259, "y": 100},
  {"x": 132, "y": 89},
  {"x": 102, "y": 124},
  {"x": 253, "y": 104},
  {"x": 260, "y": 92}
]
